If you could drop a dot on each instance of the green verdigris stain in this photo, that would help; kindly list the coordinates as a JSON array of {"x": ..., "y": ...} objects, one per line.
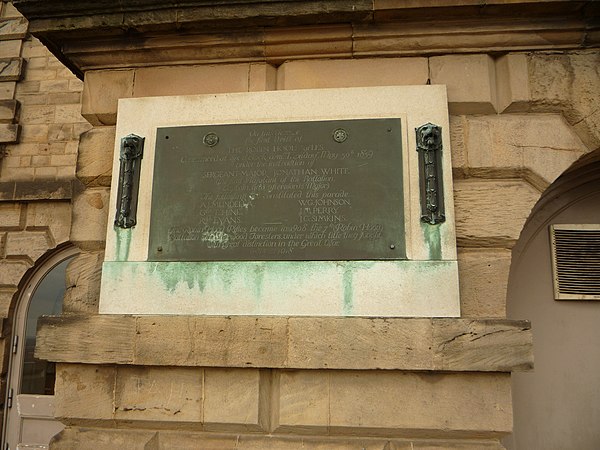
[
  {"x": 258, "y": 278},
  {"x": 348, "y": 290},
  {"x": 190, "y": 274},
  {"x": 433, "y": 240},
  {"x": 123, "y": 242}
]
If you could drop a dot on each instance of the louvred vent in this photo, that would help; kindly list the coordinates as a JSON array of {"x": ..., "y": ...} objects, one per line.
[{"x": 576, "y": 261}]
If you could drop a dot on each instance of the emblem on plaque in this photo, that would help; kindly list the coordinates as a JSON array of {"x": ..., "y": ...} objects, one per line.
[
  {"x": 340, "y": 135},
  {"x": 130, "y": 157},
  {"x": 210, "y": 139}
]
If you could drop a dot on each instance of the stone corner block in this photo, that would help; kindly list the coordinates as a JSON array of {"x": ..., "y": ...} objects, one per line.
[
  {"x": 95, "y": 157},
  {"x": 470, "y": 80},
  {"x": 512, "y": 80},
  {"x": 102, "y": 90}
]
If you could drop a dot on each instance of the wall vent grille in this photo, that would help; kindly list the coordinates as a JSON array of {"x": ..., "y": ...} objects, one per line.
[{"x": 576, "y": 261}]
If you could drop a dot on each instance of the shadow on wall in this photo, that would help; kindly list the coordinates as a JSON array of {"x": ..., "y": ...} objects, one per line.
[{"x": 557, "y": 406}]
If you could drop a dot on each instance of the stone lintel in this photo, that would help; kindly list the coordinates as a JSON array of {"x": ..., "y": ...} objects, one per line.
[{"x": 430, "y": 344}]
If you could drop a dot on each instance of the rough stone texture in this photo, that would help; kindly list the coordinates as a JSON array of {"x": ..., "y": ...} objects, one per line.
[
  {"x": 471, "y": 82},
  {"x": 231, "y": 399},
  {"x": 491, "y": 213},
  {"x": 512, "y": 80},
  {"x": 90, "y": 217},
  {"x": 98, "y": 439},
  {"x": 483, "y": 278},
  {"x": 158, "y": 394},
  {"x": 352, "y": 73},
  {"x": 83, "y": 283},
  {"x": 84, "y": 392},
  {"x": 279, "y": 342},
  {"x": 101, "y": 92},
  {"x": 54, "y": 216},
  {"x": 95, "y": 156},
  {"x": 569, "y": 83}
]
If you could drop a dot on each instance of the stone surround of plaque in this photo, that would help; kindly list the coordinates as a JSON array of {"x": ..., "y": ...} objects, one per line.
[{"x": 282, "y": 203}]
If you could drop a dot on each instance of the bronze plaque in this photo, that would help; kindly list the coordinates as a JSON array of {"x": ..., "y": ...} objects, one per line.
[{"x": 326, "y": 190}]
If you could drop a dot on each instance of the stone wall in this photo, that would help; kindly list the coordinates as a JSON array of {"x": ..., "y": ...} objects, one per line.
[
  {"x": 518, "y": 120},
  {"x": 40, "y": 124}
]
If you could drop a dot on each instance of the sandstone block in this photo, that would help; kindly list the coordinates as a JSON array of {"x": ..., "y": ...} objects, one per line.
[
  {"x": 37, "y": 114},
  {"x": 39, "y": 74},
  {"x": 262, "y": 77},
  {"x": 94, "y": 162},
  {"x": 8, "y": 110},
  {"x": 105, "y": 439},
  {"x": 231, "y": 399},
  {"x": 483, "y": 279},
  {"x": 84, "y": 392},
  {"x": 303, "y": 400},
  {"x": 10, "y": 216},
  {"x": 56, "y": 216},
  {"x": 31, "y": 244},
  {"x": 512, "y": 78},
  {"x": 83, "y": 283},
  {"x": 491, "y": 213},
  {"x": 12, "y": 270},
  {"x": 10, "y": 49},
  {"x": 29, "y": 133},
  {"x": 352, "y": 73},
  {"x": 186, "y": 80},
  {"x": 420, "y": 401},
  {"x": 9, "y": 133},
  {"x": 569, "y": 83},
  {"x": 159, "y": 393},
  {"x": 7, "y": 295},
  {"x": 7, "y": 90},
  {"x": 68, "y": 113},
  {"x": 471, "y": 82},
  {"x": 90, "y": 218},
  {"x": 542, "y": 144},
  {"x": 101, "y": 91},
  {"x": 13, "y": 28}
]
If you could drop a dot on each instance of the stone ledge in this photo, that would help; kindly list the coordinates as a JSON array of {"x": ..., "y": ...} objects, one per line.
[
  {"x": 489, "y": 345},
  {"x": 38, "y": 190}
]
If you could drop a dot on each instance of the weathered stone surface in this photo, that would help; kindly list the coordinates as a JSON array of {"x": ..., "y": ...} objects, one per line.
[
  {"x": 84, "y": 392},
  {"x": 95, "y": 156},
  {"x": 83, "y": 283},
  {"x": 262, "y": 77},
  {"x": 476, "y": 344},
  {"x": 13, "y": 28},
  {"x": 8, "y": 110},
  {"x": 467, "y": 403},
  {"x": 512, "y": 82},
  {"x": 31, "y": 244},
  {"x": 7, "y": 295},
  {"x": 491, "y": 213},
  {"x": 11, "y": 69},
  {"x": 104, "y": 439},
  {"x": 55, "y": 216},
  {"x": 101, "y": 91},
  {"x": 569, "y": 83},
  {"x": 242, "y": 341},
  {"x": 10, "y": 216},
  {"x": 159, "y": 394},
  {"x": 111, "y": 438},
  {"x": 95, "y": 336},
  {"x": 186, "y": 80},
  {"x": 471, "y": 82},
  {"x": 9, "y": 133},
  {"x": 483, "y": 279},
  {"x": 12, "y": 270},
  {"x": 539, "y": 147},
  {"x": 352, "y": 73},
  {"x": 231, "y": 399},
  {"x": 90, "y": 217}
]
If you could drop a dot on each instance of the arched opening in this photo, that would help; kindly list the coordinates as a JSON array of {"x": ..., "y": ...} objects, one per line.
[
  {"x": 557, "y": 406},
  {"x": 29, "y": 406}
]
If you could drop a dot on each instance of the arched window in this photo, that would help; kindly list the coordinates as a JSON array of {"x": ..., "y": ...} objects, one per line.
[{"x": 29, "y": 404}]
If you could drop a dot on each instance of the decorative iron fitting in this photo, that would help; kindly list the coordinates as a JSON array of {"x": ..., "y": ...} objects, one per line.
[
  {"x": 132, "y": 150},
  {"x": 429, "y": 146}
]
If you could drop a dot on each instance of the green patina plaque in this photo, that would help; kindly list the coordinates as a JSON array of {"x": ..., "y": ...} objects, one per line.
[{"x": 292, "y": 191}]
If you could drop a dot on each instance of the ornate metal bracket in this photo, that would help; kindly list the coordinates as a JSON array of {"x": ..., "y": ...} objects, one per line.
[
  {"x": 132, "y": 150},
  {"x": 429, "y": 146}
]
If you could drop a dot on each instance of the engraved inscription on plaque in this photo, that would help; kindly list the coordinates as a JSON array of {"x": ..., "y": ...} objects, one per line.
[{"x": 325, "y": 190}]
